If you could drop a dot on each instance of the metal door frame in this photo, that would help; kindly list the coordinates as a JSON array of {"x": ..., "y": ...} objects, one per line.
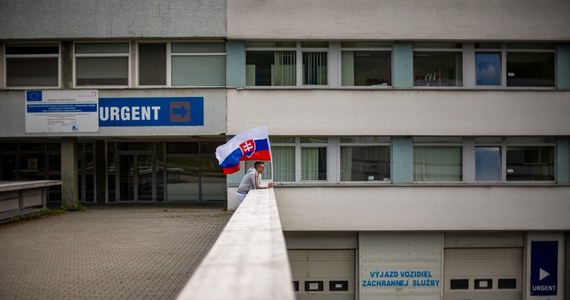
[{"x": 135, "y": 155}]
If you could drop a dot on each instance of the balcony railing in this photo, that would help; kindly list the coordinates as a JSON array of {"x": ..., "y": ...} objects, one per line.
[{"x": 249, "y": 259}]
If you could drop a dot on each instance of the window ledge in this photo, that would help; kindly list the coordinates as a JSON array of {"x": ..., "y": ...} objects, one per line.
[{"x": 431, "y": 184}]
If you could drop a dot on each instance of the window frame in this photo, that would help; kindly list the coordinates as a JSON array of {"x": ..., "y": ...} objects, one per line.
[
  {"x": 299, "y": 50},
  {"x": 137, "y": 65},
  {"x": 364, "y": 144},
  {"x": 503, "y": 145},
  {"x": 504, "y": 50},
  {"x": 365, "y": 49},
  {"x": 5, "y": 64},
  {"x": 439, "y": 142},
  {"x": 127, "y": 55},
  {"x": 443, "y": 49},
  {"x": 171, "y": 54}
]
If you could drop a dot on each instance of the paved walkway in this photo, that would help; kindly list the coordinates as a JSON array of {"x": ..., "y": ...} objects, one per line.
[{"x": 107, "y": 252}]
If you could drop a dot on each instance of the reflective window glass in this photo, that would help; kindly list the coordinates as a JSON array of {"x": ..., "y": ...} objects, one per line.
[
  {"x": 434, "y": 68},
  {"x": 488, "y": 163},
  {"x": 366, "y": 68},
  {"x": 271, "y": 68},
  {"x": 365, "y": 163},
  {"x": 488, "y": 68},
  {"x": 530, "y": 69},
  {"x": 530, "y": 163}
]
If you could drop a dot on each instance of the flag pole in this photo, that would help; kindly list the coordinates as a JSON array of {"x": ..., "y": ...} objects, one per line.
[{"x": 270, "y": 154}]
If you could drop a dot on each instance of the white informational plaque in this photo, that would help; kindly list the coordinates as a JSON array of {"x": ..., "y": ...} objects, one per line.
[{"x": 62, "y": 111}]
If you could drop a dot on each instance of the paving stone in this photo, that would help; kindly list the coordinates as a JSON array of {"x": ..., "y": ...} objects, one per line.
[{"x": 111, "y": 252}]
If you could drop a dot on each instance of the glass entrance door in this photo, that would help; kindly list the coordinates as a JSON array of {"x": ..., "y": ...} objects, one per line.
[{"x": 135, "y": 177}]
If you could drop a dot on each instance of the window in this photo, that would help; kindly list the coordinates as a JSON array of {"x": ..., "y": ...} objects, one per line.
[
  {"x": 532, "y": 69},
  {"x": 366, "y": 64},
  {"x": 275, "y": 63},
  {"x": 488, "y": 163},
  {"x": 364, "y": 159},
  {"x": 313, "y": 158},
  {"x": 101, "y": 64},
  {"x": 152, "y": 64},
  {"x": 438, "y": 159},
  {"x": 530, "y": 163},
  {"x": 32, "y": 64},
  {"x": 198, "y": 64},
  {"x": 488, "y": 68},
  {"x": 283, "y": 164},
  {"x": 438, "y": 64},
  {"x": 271, "y": 68},
  {"x": 514, "y": 159},
  {"x": 526, "y": 64},
  {"x": 298, "y": 159}
]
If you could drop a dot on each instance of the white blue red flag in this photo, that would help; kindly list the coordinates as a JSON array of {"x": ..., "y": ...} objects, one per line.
[{"x": 252, "y": 144}]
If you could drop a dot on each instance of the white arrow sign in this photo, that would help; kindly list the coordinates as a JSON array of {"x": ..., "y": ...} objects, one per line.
[{"x": 543, "y": 274}]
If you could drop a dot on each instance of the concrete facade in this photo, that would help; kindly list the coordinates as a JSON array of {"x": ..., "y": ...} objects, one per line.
[
  {"x": 112, "y": 19},
  {"x": 403, "y": 20}
]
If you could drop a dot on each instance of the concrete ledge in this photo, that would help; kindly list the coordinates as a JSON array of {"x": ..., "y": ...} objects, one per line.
[
  {"x": 249, "y": 259},
  {"x": 22, "y": 185}
]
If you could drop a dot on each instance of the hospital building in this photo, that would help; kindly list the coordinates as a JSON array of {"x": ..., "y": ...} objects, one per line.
[{"x": 421, "y": 149}]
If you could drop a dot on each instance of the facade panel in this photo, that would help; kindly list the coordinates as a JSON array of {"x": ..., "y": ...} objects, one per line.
[
  {"x": 402, "y": 20},
  {"x": 112, "y": 19},
  {"x": 401, "y": 113}
]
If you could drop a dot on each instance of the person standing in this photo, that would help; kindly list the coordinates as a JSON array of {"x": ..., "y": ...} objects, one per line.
[{"x": 252, "y": 181}]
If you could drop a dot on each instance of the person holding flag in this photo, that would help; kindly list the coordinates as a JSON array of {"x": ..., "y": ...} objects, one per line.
[
  {"x": 252, "y": 144},
  {"x": 252, "y": 181}
]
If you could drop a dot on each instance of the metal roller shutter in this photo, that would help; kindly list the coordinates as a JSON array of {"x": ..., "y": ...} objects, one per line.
[
  {"x": 323, "y": 274},
  {"x": 483, "y": 273}
]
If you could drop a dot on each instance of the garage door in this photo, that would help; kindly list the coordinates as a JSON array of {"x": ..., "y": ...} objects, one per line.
[
  {"x": 483, "y": 274},
  {"x": 323, "y": 274}
]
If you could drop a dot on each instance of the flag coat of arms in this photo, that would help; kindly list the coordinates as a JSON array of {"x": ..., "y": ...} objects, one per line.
[{"x": 252, "y": 144}]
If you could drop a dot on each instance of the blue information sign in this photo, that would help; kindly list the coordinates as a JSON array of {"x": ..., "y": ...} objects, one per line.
[
  {"x": 544, "y": 268},
  {"x": 152, "y": 111}
]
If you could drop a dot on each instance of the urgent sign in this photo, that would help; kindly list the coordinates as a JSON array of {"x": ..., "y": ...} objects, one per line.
[
  {"x": 544, "y": 268},
  {"x": 151, "y": 111}
]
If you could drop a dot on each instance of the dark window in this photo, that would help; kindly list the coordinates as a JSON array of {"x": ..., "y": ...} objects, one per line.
[
  {"x": 271, "y": 68},
  {"x": 530, "y": 69},
  {"x": 530, "y": 163},
  {"x": 152, "y": 64},
  {"x": 459, "y": 284},
  {"x": 507, "y": 283}
]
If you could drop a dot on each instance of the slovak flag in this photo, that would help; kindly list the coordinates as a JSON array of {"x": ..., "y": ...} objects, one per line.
[{"x": 252, "y": 144}]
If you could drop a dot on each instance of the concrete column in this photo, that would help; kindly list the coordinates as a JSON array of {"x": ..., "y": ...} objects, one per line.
[
  {"x": 67, "y": 65},
  {"x": 100, "y": 172},
  {"x": 403, "y": 66},
  {"x": 402, "y": 160},
  {"x": 235, "y": 64},
  {"x": 69, "y": 173},
  {"x": 563, "y": 66},
  {"x": 563, "y": 160}
]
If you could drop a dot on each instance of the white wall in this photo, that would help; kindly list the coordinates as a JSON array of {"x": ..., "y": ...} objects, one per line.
[
  {"x": 399, "y": 20},
  {"x": 419, "y": 208},
  {"x": 395, "y": 112},
  {"x": 33, "y": 19},
  {"x": 13, "y": 116}
]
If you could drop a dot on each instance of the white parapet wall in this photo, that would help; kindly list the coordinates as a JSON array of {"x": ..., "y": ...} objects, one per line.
[
  {"x": 424, "y": 208},
  {"x": 249, "y": 260}
]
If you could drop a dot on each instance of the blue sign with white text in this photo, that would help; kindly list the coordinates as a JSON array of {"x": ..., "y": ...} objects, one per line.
[
  {"x": 544, "y": 268},
  {"x": 152, "y": 111}
]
